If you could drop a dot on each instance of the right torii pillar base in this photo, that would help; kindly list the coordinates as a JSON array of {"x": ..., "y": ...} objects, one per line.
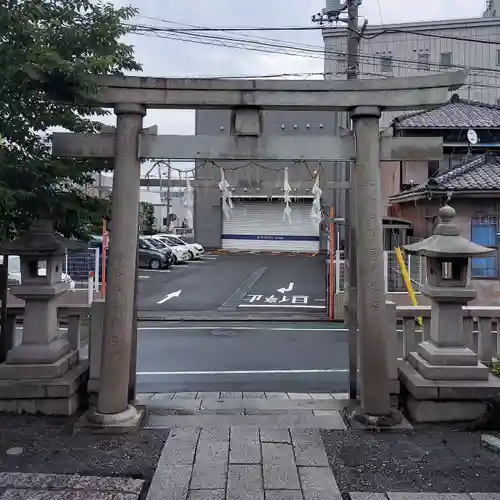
[{"x": 126, "y": 422}]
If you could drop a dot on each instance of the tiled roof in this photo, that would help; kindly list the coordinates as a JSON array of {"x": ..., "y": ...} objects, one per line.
[
  {"x": 455, "y": 113},
  {"x": 480, "y": 174}
]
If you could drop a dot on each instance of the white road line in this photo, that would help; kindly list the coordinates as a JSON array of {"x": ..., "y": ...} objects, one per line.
[
  {"x": 279, "y": 329},
  {"x": 244, "y": 372},
  {"x": 144, "y": 277},
  {"x": 209, "y": 258},
  {"x": 294, "y": 306},
  {"x": 61, "y": 329},
  {"x": 157, "y": 271}
]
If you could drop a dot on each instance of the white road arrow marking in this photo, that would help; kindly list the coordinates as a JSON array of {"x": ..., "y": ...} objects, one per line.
[
  {"x": 284, "y": 290},
  {"x": 170, "y": 296}
]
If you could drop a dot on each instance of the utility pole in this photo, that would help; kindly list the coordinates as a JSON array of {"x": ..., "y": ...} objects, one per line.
[
  {"x": 329, "y": 16},
  {"x": 351, "y": 254},
  {"x": 169, "y": 194}
]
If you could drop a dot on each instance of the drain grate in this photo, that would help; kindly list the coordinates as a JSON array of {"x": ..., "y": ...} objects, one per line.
[{"x": 223, "y": 332}]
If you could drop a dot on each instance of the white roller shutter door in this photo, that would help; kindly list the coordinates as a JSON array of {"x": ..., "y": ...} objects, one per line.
[{"x": 256, "y": 225}]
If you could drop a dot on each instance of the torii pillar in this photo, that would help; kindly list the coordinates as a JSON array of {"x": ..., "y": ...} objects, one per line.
[
  {"x": 113, "y": 409},
  {"x": 375, "y": 409}
]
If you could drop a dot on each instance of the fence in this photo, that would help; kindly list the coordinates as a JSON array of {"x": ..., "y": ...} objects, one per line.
[
  {"x": 81, "y": 265},
  {"x": 481, "y": 333},
  {"x": 394, "y": 282}
]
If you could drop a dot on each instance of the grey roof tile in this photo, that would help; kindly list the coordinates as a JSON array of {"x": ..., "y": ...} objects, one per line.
[
  {"x": 455, "y": 113},
  {"x": 479, "y": 174}
]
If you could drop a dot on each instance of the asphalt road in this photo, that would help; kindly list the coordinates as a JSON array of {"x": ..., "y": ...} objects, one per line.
[
  {"x": 236, "y": 282},
  {"x": 242, "y": 357}
]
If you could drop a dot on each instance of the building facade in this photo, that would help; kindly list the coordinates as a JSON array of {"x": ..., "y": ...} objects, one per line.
[
  {"x": 257, "y": 220},
  {"x": 412, "y": 49}
]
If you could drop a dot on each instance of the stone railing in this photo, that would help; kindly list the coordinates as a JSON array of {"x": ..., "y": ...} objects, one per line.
[
  {"x": 480, "y": 331},
  {"x": 70, "y": 317}
]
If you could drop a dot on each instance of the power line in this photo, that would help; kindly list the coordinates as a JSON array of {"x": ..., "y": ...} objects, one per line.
[
  {"x": 283, "y": 44},
  {"x": 259, "y": 46},
  {"x": 205, "y": 29}
]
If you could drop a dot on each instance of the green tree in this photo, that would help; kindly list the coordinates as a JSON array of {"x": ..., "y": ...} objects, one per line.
[
  {"x": 50, "y": 50},
  {"x": 147, "y": 216}
]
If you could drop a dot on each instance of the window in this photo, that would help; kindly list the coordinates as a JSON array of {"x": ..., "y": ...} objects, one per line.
[
  {"x": 484, "y": 230},
  {"x": 386, "y": 64},
  {"x": 498, "y": 102},
  {"x": 446, "y": 59},
  {"x": 423, "y": 61},
  {"x": 498, "y": 57}
]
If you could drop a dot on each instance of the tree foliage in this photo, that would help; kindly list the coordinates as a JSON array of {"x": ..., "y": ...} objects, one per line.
[
  {"x": 147, "y": 216},
  {"x": 50, "y": 50}
]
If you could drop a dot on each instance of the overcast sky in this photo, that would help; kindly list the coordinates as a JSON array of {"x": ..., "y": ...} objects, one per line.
[{"x": 173, "y": 58}]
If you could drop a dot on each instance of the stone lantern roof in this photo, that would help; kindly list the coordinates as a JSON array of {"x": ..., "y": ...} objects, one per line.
[
  {"x": 446, "y": 241},
  {"x": 40, "y": 240}
]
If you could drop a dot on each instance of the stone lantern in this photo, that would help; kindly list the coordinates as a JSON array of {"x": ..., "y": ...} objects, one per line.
[
  {"x": 42, "y": 354},
  {"x": 443, "y": 376}
]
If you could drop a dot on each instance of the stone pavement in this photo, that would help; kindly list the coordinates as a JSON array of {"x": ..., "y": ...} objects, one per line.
[
  {"x": 256, "y": 409},
  {"x": 241, "y": 395},
  {"x": 424, "y": 496},
  {"x": 18, "y": 486},
  {"x": 244, "y": 446},
  {"x": 241, "y": 463}
]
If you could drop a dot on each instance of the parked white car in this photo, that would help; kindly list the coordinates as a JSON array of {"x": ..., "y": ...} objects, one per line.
[
  {"x": 14, "y": 270},
  {"x": 179, "y": 252},
  {"x": 195, "y": 249}
]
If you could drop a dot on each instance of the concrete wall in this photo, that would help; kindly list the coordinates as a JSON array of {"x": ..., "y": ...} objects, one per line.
[
  {"x": 260, "y": 178},
  {"x": 423, "y": 214},
  {"x": 405, "y": 48},
  {"x": 394, "y": 174}
]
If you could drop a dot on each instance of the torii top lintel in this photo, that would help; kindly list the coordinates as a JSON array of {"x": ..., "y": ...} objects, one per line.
[{"x": 390, "y": 94}]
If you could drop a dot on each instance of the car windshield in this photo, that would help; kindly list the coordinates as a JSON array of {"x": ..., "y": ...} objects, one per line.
[
  {"x": 160, "y": 242},
  {"x": 176, "y": 241},
  {"x": 156, "y": 243},
  {"x": 165, "y": 241},
  {"x": 14, "y": 264}
]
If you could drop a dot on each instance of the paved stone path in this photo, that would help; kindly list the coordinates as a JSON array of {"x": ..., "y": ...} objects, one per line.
[
  {"x": 243, "y": 463},
  {"x": 240, "y": 395},
  {"x": 17, "y": 486},
  {"x": 244, "y": 446},
  {"x": 261, "y": 410},
  {"x": 424, "y": 496}
]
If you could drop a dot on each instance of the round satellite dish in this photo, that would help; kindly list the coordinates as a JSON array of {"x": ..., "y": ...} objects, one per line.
[{"x": 472, "y": 136}]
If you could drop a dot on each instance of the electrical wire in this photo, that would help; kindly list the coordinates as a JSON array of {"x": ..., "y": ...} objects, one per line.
[
  {"x": 319, "y": 53},
  {"x": 192, "y": 28}
]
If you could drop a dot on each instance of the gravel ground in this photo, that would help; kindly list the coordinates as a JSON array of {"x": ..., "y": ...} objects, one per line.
[
  {"x": 49, "y": 446},
  {"x": 433, "y": 459}
]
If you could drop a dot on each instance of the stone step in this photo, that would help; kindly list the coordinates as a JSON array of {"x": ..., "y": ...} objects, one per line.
[
  {"x": 142, "y": 397},
  {"x": 287, "y": 420},
  {"x": 206, "y": 405}
]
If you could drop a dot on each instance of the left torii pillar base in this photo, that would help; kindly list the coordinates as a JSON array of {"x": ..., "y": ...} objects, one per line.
[{"x": 125, "y": 422}]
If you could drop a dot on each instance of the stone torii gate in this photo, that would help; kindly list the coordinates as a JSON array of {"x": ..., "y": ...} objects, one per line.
[{"x": 129, "y": 143}]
